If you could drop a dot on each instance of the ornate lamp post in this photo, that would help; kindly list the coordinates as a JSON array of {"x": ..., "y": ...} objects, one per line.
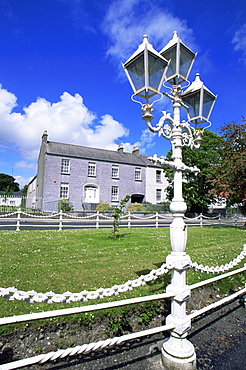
[{"x": 146, "y": 71}]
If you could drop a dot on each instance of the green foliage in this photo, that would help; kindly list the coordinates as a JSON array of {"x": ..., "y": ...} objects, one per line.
[
  {"x": 159, "y": 207},
  {"x": 136, "y": 207},
  {"x": 24, "y": 190},
  {"x": 64, "y": 205},
  {"x": 104, "y": 206},
  {"x": 230, "y": 177},
  {"x": 38, "y": 350},
  {"x": 85, "y": 318},
  {"x": 148, "y": 311},
  {"x": 118, "y": 212},
  {"x": 8, "y": 184},
  {"x": 118, "y": 323},
  {"x": 197, "y": 188},
  {"x": 58, "y": 344}
]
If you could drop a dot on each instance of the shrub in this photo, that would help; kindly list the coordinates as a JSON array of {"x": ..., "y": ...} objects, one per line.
[
  {"x": 159, "y": 207},
  {"x": 136, "y": 207},
  {"x": 104, "y": 206},
  {"x": 65, "y": 205}
]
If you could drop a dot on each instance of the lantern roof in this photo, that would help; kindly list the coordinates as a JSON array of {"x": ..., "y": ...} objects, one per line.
[
  {"x": 173, "y": 42},
  {"x": 146, "y": 45},
  {"x": 197, "y": 84}
]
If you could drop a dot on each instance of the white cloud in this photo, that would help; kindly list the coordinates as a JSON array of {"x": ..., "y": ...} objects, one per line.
[
  {"x": 23, "y": 165},
  {"x": 239, "y": 40},
  {"x": 22, "y": 181},
  {"x": 67, "y": 120},
  {"x": 146, "y": 140},
  {"x": 128, "y": 20}
]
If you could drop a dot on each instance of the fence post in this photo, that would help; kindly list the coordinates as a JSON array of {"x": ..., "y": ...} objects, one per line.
[
  {"x": 200, "y": 219},
  {"x": 156, "y": 220},
  {"x": 60, "y": 220},
  {"x": 97, "y": 220},
  {"x": 129, "y": 220},
  {"x": 18, "y": 219},
  {"x": 235, "y": 220},
  {"x": 219, "y": 219}
]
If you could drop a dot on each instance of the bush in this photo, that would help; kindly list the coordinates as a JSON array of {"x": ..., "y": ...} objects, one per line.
[
  {"x": 65, "y": 205},
  {"x": 104, "y": 206},
  {"x": 136, "y": 207},
  {"x": 159, "y": 207}
]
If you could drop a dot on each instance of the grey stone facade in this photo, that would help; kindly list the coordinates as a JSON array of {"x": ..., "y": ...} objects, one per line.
[{"x": 86, "y": 176}]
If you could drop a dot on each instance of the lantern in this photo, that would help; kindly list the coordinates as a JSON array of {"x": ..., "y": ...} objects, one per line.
[
  {"x": 199, "y": 100},
  {"x": 146, "y": 70},
  {"x": 181, "y": 60}
]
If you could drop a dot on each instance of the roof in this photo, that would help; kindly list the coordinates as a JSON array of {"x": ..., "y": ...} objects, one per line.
[{"x": 77, "y": 151}]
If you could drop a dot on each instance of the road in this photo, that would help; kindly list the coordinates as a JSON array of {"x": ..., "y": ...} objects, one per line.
[{"x": 53, "y": 224}]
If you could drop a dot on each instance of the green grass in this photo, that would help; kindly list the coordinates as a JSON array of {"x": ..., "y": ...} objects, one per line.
[{"x": 88, "y": 259}]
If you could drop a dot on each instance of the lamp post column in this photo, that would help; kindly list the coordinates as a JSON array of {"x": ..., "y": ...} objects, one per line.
[{"x": 177, "y": 351}]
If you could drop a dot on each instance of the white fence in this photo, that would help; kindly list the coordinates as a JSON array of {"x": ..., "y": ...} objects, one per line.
[
  {"x": 12, "y": 294},
  {"x": 61, "y": 220}
]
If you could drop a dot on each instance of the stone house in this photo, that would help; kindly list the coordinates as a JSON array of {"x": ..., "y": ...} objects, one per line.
[{"x": 89, "y": 176}]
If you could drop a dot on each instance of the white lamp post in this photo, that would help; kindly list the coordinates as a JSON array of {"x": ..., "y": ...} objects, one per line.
[{"x": 198, "y": 101}]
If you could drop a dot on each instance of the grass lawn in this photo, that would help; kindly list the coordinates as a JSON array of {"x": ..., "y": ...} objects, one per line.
[{"x": 87, "y": 259}]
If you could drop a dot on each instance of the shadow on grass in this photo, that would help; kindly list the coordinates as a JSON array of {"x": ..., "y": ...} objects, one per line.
[{"x": 163, "y": 280}]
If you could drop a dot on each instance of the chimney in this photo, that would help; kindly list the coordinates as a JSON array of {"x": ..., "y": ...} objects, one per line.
[
  {"x": 45, "y": 137},
  {"x": 135, "y": 150},
  {"x": 120, "y": 148}
]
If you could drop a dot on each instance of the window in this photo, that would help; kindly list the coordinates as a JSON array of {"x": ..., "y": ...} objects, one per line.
[
  {"x": 114, "y": 193},
  {"x": 115, "y": 172},
  {"x": 158, "y": 175},
  {"x": 138, "y": 174},
  {"x": 92, "y": 169},
  {"x": 64, "y": 190},
  {"x": 158, "y": 195},
  {"x": 65, "y": 166}
]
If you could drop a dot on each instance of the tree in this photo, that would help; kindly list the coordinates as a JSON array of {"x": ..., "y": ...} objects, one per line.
[
  {"x": 24, "y": 190},
  {"x": 230, "y": 177},
  {"x": 118, "y": 212},
  {"x": 8, "y": 184},
  {"x": 197, "y": 188}
]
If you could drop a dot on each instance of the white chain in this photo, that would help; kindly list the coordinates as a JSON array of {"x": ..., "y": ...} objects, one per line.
[
  {"x": 222, "y": 268},
  {"x": 9, "y": 214},
  {"x": 36, "y": 216},
  {"x": 32, "y": 296}
]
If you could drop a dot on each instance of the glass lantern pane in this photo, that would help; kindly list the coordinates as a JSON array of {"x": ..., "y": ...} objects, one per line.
[
  {"x": 136, "y": 72},
  {"x": 208, "y": 100},
  {"x": 156, "y": 69},
  {"x": 193, "y": 102},
  {"x": 171, "y": 54},
  {"x": 186, "y": 58}
]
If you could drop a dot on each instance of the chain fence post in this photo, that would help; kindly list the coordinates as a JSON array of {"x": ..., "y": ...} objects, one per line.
[
  {"x": 129, "y": 220},
  {"x": 200, "y": 220},
  {"x": 97, "y": 220},
  {"x": 60, "y": 220},
  {"x": 18, "y": 219}
]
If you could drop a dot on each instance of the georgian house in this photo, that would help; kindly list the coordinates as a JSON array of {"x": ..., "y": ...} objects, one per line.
[{"x": 89, "y": 176}]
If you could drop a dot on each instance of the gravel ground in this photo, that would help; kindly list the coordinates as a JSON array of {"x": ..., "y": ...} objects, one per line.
[{"x": 219, "y": 339}]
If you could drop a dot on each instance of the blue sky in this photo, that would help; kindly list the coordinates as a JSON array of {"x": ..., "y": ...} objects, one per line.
[{"x": 60, "y": 70}]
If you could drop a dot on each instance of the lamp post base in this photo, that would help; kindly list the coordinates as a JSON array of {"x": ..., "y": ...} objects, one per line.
[{"x": 178, "y": 354}]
